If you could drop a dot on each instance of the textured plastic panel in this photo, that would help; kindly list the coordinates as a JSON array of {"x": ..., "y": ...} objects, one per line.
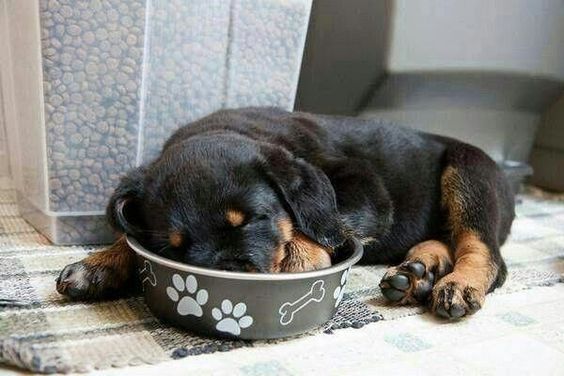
[
  {"x": 203, "y": 55},
  {"x": 185, "y": 72},
  {"x": 92, "y": 59},
  {"x": 267, "y": 41},
  {"x": 109, "y": 81},
  {"x": 61, "y": 229}
]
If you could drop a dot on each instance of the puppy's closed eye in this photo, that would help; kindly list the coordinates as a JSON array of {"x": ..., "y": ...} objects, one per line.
[{"x": 236, "y": 218}]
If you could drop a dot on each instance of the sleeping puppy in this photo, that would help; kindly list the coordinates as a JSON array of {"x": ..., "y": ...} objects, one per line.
[{"x": 265, "y": 190}]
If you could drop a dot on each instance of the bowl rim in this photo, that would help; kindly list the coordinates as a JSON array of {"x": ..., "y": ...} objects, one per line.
[{"x": 349, "y": 261}]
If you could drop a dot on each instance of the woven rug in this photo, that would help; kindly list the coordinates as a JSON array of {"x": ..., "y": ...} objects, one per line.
[{"x": 42, "y": 332}]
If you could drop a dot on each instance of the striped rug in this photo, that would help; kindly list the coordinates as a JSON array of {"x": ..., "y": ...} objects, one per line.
[{"x": 41, "y": 331}]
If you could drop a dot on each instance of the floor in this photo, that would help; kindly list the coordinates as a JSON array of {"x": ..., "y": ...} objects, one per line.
[
  {"x": 515, "y": 334},
  {"x": 518, "y": 333}
]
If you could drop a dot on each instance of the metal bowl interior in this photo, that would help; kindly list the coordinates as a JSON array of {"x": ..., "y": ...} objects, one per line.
[{"x": 352, "y": 246}]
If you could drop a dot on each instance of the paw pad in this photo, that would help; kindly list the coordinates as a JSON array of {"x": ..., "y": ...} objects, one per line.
[
  {"x": 187, "y": 304},
  {"x": 231, "y": 319},
  {"x": 407, "y": 283}
]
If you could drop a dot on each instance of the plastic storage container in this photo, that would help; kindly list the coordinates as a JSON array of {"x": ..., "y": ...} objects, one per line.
[{"x": 100, "y": 85}]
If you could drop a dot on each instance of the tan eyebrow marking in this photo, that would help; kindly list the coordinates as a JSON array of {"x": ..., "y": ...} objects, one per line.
[
  {"x": 175, "y": 238},
  {"x": 235, "y": 217}
]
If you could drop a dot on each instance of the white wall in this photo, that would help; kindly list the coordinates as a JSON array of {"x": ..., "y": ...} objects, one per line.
[
  {"x": 523, "y": 36},
  {"x": 7, "y": 113}
]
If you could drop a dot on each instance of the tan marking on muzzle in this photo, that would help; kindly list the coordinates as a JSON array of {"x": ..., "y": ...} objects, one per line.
[{"x": 296, "y": 252}]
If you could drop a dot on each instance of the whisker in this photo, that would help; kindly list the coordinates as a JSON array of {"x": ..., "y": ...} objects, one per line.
[
  {"x": 155, "y": 232},
  {"x": 163, "y": 248}
]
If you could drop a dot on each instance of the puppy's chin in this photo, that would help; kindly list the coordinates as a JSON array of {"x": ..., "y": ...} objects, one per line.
[{"x": 301, "y": 254}]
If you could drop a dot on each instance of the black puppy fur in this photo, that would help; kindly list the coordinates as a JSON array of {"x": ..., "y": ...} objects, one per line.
[{"x": 332, "y": 177}]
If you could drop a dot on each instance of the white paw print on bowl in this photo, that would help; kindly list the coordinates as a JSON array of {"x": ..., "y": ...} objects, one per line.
[
  {"x": 187, "y": 304},
  {"x": 231, "y": 319},
  {"x": 340, "y": 290}
]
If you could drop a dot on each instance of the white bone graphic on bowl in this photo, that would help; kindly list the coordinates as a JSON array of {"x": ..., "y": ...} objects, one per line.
[
  {"x": 289, "y": 309},
  {"x": 147, "y": 274}
]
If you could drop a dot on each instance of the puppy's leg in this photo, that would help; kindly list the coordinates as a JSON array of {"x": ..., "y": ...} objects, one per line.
[
  {"x": 479, "y": 209},
  {"x": 107, "y": 273},
  {"x": 411, "y": 281}
]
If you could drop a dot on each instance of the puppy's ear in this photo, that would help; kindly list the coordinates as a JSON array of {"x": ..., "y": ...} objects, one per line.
[
  {"x": 307, "y": 193},
  {"x": 124, "y": 210}
]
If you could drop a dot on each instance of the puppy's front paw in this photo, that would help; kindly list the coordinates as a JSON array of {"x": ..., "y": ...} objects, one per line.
[
  {"x": 83, "y": 281},
  {"x": 454, "y": 297}
]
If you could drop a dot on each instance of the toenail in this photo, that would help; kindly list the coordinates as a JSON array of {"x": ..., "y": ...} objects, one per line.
[
  {"x": 442, "y": 312},
  {"x": 456, "y": 312},
  {"x": 474, "y": 306}
]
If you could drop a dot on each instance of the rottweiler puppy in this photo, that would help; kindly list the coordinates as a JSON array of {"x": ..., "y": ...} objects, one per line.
[{"x": 265, "y": 190}]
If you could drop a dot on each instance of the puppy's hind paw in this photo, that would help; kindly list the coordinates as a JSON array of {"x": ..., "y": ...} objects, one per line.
[
  {"x": 408, "y": 283},
  {"x": 82, "y": 281}
]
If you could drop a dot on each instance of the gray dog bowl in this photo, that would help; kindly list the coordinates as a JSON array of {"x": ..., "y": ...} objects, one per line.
[{"x": 242, "y": 305}]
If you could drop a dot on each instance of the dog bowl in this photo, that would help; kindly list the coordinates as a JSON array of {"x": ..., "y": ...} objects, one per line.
[{"x": 243, "y": 305}]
